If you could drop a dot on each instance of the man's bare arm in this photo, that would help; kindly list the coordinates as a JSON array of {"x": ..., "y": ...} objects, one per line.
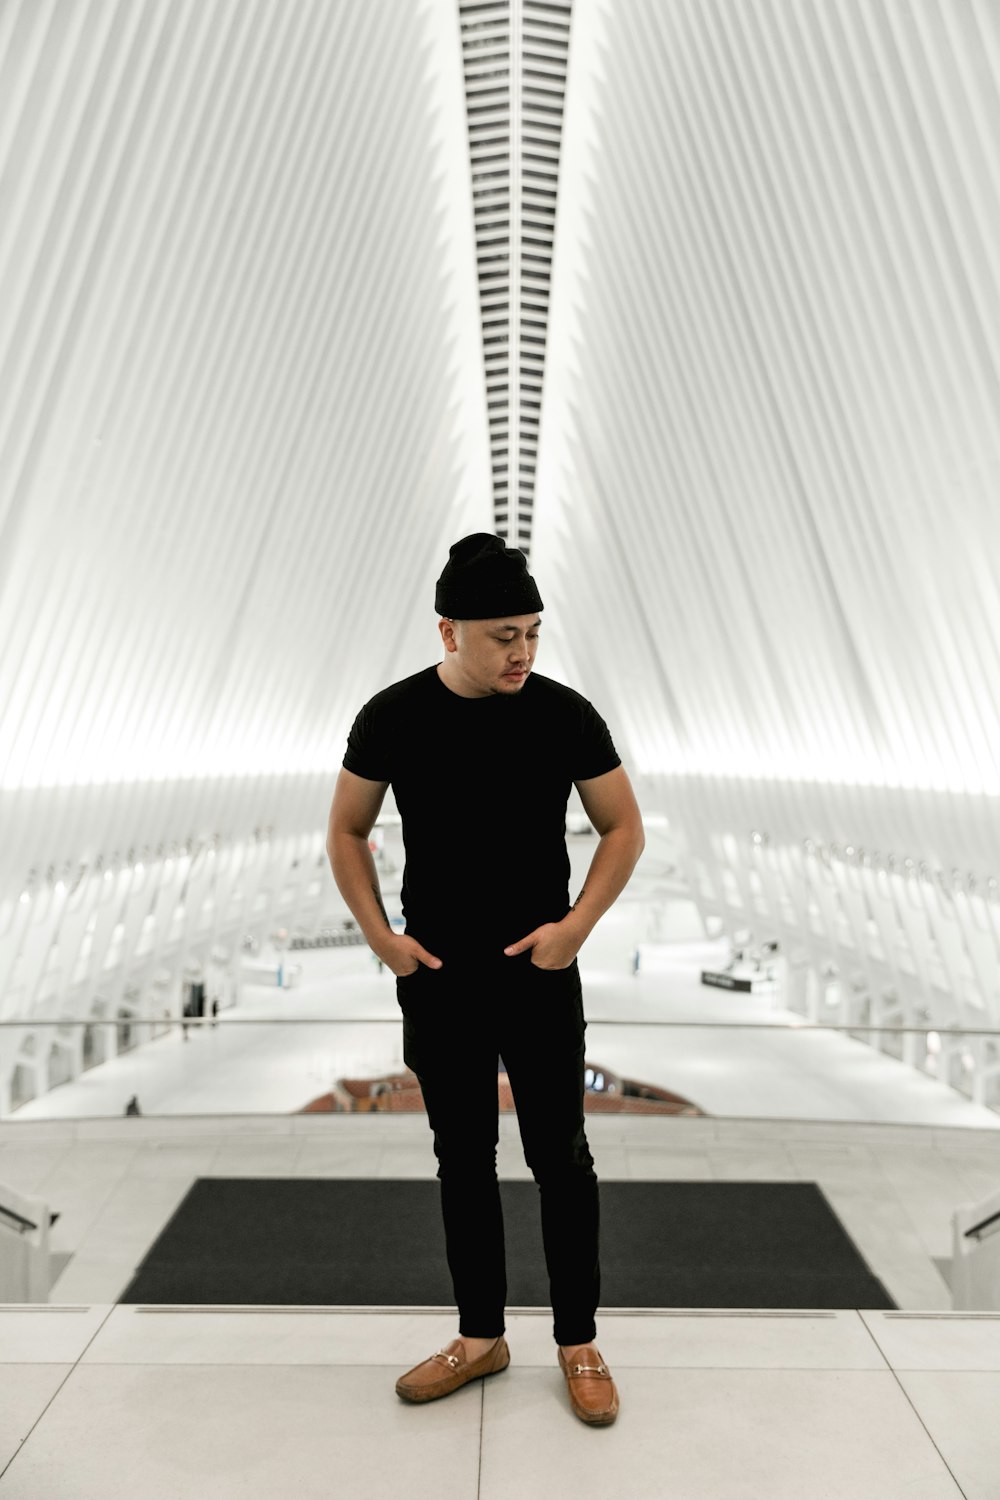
[
  {"x": 356, "y": 805},
  {"x": 610, "y": 804}
]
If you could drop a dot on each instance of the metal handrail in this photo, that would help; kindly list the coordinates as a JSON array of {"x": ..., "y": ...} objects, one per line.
[
  {"x": 223, "y": 1020},
  {"x": 23, "y": 1223},
  {"x": 977, "y": 1229}
]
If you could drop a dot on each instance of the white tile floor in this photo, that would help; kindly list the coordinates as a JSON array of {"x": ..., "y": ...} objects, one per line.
[
  {"x": 717, "y": 1404},
  {"x": 106, "y": 1402}
]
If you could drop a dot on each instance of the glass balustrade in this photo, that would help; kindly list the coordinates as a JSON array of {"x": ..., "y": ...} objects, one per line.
[{"x": 637, "y": 1063}]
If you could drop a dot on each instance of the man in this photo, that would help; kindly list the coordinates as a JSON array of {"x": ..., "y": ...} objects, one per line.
[{"x": 481, "y": 752}]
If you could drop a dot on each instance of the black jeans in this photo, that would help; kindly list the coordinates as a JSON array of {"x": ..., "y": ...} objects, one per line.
[{"x": 456, "y": 1020}]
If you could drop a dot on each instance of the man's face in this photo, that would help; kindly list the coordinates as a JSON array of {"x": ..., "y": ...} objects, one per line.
[{"x": 491, "y": 656}]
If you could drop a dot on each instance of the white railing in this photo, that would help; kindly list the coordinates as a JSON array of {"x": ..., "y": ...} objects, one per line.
[
  {"x": 975, "y": 1261},
  {"x": 24, "y": 1247}
]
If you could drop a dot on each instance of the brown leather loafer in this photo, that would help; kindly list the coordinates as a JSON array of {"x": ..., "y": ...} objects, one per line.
[
  {"x": 446, "y": 1370},
  {"x": 592, "y": 1392}
]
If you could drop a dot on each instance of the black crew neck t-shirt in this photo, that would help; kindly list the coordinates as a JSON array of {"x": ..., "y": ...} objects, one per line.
[{"x": 481, "y": 785}]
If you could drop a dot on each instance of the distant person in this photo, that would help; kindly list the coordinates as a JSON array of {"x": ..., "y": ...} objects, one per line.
[
  {"x": 481, "y": 754},
  {"x": 132, "y": 1107}
]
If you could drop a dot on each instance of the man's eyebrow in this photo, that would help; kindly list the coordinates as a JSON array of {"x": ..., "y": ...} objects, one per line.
[{"x": 516, "y": 628}]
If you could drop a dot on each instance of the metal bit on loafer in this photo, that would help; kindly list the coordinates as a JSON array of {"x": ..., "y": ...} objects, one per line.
[{"x": 592, "y": 1392}]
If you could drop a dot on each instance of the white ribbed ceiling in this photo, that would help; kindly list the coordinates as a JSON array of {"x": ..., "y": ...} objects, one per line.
[
  {"x": 241, "y": 412},
  {"x": 771, "y": 439}
]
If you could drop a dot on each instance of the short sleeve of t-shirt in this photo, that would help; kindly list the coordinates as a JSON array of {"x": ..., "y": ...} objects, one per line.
[
  {"x": 367, "y": 753},
  {"x": 586, "y": 748},
  {"x": 594, "y": 753}
]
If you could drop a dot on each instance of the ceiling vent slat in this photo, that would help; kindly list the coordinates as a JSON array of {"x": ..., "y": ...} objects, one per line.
[{"x": 515, "y": 63}]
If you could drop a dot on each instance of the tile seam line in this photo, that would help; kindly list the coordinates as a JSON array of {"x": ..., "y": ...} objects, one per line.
[
  {"x": 482, "y": 1426},
  {"x": 73, "y": 1366},
  {"x": 349, "y": 1309},
  {"x": 909, "y": 1401},
  {"x": 392, "y": 1364}
]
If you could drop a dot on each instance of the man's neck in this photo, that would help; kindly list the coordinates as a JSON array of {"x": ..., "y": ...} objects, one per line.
[{"x": 453, "y": 687}]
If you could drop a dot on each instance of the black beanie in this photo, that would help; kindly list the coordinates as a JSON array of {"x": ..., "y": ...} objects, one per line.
[{"x": 483, "y": 578}]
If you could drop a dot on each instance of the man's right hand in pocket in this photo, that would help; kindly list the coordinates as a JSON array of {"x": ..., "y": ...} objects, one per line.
[{"x": 404, "y": 955}]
